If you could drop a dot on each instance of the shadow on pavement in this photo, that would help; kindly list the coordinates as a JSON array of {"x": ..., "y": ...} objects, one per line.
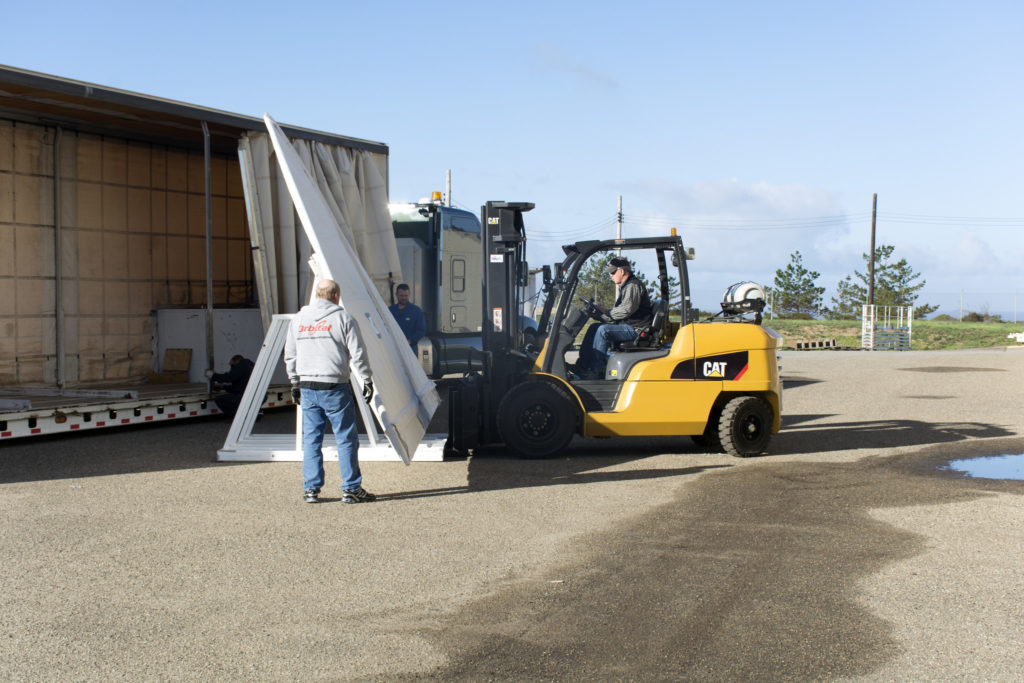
[
  {"x": 797, "y": 437},
  {"x": 797, "y": 382},
  {"x": 188, "y": 444},
  {"x": 193, "y": 444},
  {"x": 586, "y": 461},
  {"x": 495, "y": 475},
  {"x": 754, "y": 574}
]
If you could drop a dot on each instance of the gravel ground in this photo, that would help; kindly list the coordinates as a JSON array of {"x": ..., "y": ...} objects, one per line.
[{"x": 845, "y": 553}]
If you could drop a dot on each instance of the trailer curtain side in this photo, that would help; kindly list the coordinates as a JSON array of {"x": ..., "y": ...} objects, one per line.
[{"x": 353, "y": 183}]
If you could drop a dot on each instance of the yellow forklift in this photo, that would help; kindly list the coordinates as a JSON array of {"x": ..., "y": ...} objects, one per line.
[{"x": 715, "y": 380}]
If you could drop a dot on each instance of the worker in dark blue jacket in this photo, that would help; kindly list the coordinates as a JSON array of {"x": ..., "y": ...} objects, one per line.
[{"x": 409, "y": 316}]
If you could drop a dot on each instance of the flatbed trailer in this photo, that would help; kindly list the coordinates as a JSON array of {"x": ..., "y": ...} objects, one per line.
[{"x": 27, "y": 411}]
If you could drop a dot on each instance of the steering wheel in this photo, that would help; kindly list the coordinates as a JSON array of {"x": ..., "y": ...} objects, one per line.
[{"x": 590, "y": 308}]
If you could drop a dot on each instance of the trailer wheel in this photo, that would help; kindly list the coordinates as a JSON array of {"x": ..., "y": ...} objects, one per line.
[
  {"x": 745, "y": 426},
  {"x": 536, "y": 420}
]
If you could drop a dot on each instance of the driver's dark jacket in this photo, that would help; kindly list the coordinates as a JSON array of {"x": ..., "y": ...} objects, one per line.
[{"x": 633, "y": 306}]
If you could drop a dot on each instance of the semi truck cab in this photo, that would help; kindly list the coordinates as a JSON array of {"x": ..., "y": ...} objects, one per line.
[{"x": 440, "y": 251}]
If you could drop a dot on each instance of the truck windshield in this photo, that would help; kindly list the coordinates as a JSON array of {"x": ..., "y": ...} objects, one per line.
[{"x": 407, "y": 221}]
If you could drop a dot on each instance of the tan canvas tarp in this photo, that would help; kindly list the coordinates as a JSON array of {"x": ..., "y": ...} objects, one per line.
[
  {"x": 353, "y": 185},
  {"x": 125, "y": 220}
]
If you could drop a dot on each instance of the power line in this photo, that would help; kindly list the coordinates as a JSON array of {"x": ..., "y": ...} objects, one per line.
[
  {"x": 814, "y": 222},
  {"x": 952, "y": 221},
  {"x": 841, "y": 218},
  {"x": 604, "y": 222},
  {"x": 596, "y": 229},
  {"x": 592, "y": 230},
  {"x": 960, "y": 218},
  {"x": 738, "y": 224}
]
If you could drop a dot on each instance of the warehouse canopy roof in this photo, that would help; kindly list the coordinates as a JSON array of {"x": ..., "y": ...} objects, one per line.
[{"x": 41, "y": 98}]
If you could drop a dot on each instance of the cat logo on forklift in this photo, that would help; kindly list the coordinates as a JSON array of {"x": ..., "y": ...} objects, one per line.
[
  {"x": 714, "y": 368},
  {"x": 727, "y": 366}
]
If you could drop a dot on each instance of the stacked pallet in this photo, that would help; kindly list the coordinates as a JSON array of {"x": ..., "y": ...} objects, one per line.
[{"x": 805, "y": 344}]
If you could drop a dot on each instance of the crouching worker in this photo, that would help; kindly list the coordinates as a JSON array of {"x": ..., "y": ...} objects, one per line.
[
  {"x": 323, "y": 341},
  {"x": 233, "y": 382}
]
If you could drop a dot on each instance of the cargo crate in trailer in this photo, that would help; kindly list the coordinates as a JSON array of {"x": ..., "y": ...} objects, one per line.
[{"x": 115, "y": 206}]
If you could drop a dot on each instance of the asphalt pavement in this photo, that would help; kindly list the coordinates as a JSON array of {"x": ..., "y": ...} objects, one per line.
[{"x": 845, "y": 553}]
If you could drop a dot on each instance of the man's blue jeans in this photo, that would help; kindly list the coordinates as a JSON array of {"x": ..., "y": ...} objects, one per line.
[
  {"x": 336, "y": 405},
  {"x": 594, "y": 349}
]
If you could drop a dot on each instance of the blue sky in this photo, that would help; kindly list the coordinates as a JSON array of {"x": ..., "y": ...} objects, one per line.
[{"x": 756, "y": 128}]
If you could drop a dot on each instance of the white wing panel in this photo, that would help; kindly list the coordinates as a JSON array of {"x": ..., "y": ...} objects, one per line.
[{"x": 405, "y": 399}]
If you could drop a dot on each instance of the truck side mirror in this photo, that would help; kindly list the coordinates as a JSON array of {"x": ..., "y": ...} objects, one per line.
[{"x": 546, "y": 271}]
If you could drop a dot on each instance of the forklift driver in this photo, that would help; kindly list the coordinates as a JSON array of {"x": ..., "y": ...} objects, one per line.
[{"x": 632, "y": 310}]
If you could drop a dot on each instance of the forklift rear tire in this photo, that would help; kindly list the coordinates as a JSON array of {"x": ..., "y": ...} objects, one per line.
[
  {"x": 745, "y": 426},
  {"x": 536, "y": 420}
]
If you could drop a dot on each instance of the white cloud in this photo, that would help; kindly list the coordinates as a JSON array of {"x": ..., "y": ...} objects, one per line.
[
  {"x": 969, "y": 255},
  {"x": 746, "y": 231},
  {"x": 551, "y": 58}
]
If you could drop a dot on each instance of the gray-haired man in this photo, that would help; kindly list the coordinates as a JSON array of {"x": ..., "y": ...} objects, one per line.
[{"x": 323, "y": 340}]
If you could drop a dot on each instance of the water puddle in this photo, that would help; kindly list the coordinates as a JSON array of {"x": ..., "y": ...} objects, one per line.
[{"x": 995, "y": 467}]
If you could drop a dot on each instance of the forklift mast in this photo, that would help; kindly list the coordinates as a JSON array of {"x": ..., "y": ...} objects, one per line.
[
  {"x": 505, "y": 272},
  {"x": 473, "y": 401}
]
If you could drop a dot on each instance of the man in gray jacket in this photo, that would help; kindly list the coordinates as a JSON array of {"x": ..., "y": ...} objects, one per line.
[
  {"x": 323, "y": 341},
  {"x": 632, "y": 310}
]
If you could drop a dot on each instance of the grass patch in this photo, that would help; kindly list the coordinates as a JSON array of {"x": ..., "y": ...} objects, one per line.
[{"x": 927, "y": 335}]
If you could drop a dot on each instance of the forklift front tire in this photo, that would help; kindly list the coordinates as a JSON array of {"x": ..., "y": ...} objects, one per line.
[
  {"x": 745, "y": 426},
  {"x": 536, "y": 420}
]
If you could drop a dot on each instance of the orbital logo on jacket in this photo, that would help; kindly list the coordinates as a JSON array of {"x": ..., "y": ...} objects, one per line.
[{"x": 318, "y": 327}]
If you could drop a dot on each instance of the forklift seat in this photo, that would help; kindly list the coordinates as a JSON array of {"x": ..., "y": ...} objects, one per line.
[{"x": 648, "y": 337}]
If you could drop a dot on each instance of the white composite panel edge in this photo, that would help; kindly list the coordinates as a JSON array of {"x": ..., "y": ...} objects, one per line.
[
  {"x": 405, "y": 399},
  {"x": 282, "y": 448}
]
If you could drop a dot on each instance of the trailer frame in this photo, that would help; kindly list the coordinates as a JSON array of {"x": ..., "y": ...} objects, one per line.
[{"x": 49, "y": 413}]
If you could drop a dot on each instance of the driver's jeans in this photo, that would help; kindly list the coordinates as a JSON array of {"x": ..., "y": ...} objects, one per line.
[{"x": 594, "y": 348}]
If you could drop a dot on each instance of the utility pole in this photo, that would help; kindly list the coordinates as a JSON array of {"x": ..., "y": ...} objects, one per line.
[
  {"x": 618, "y": 220},
  {"x": 447, "y": 188},
  {"x": 871, "y": 260}
]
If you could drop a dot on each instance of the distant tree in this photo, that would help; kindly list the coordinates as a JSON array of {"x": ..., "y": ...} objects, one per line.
[
  {"x": 850, "y": 297},
  {"x": 794, "y": 294},
  {"x": 595, "y": 283},
  {"x": 900, "y": 286},
  {"x": 654, "y": 287},
  {"x": 896, "y": 284},
  {"x": 981, "y": 317}
]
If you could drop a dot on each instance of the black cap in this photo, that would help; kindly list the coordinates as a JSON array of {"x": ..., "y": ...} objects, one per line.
[{"x": 617, "y": 263}]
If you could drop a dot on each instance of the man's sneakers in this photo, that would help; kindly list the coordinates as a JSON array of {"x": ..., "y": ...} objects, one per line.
[{"x": 359, "y": 495}]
